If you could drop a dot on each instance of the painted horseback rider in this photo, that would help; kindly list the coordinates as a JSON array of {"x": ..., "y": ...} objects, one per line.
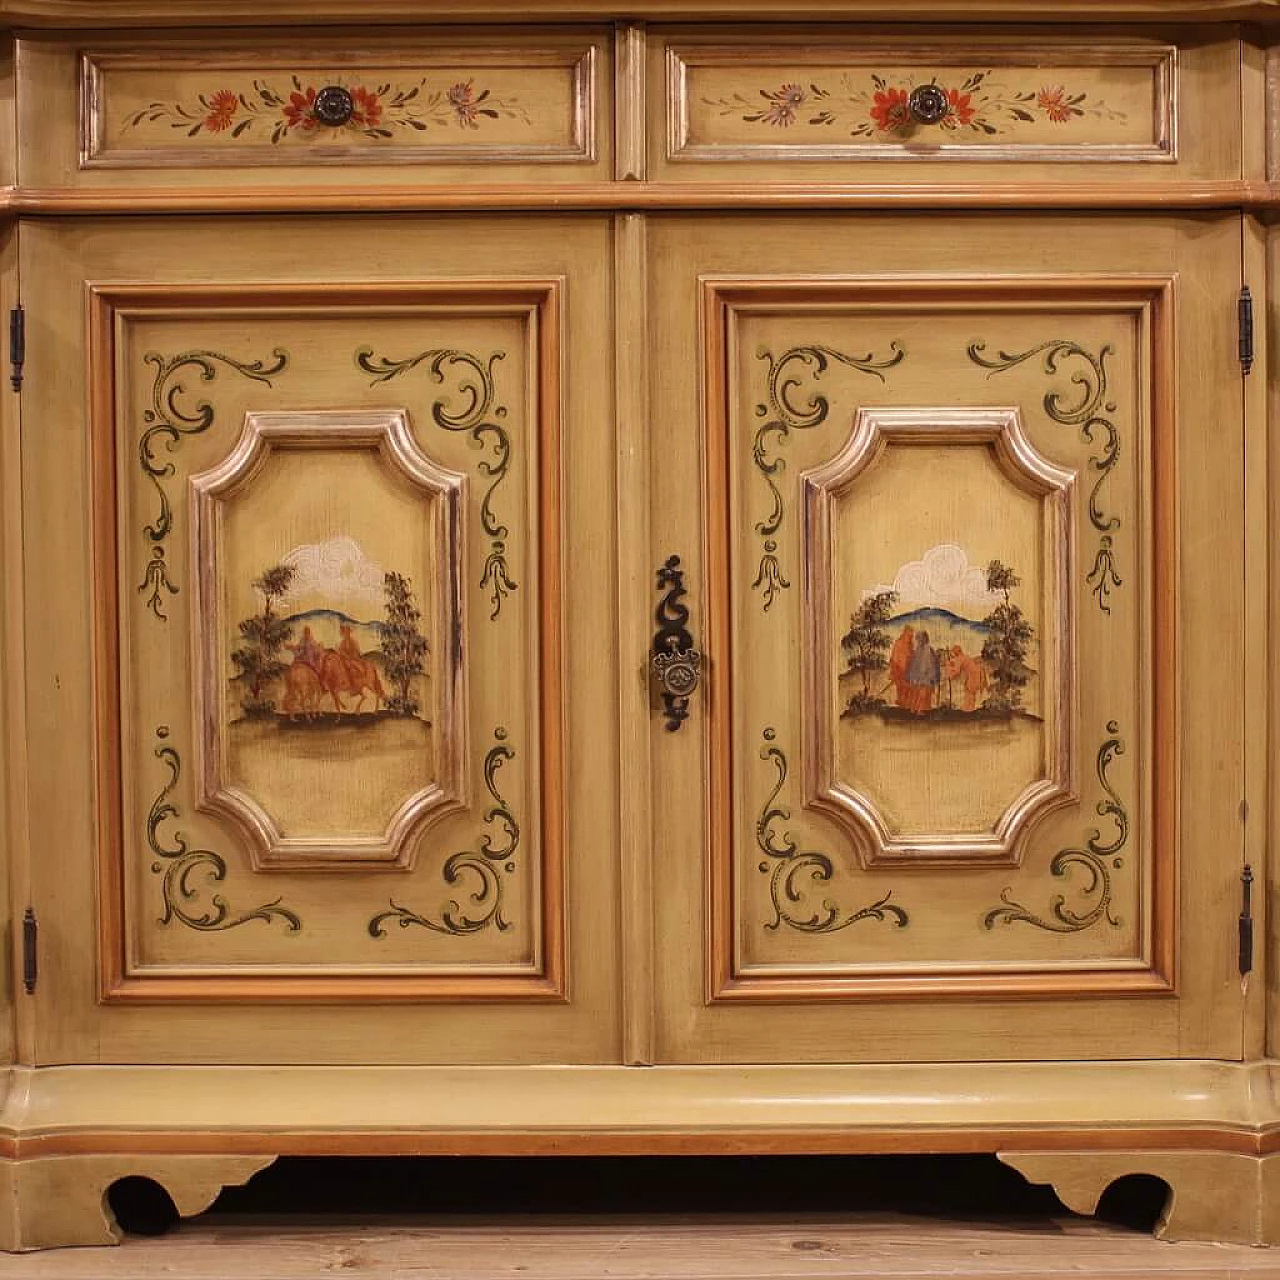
[{"x": 307, "y": 650}]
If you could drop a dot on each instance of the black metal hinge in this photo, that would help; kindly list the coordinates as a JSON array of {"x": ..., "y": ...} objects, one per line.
[
  {"x": 30, "y": 960},
  {"x": 1245, "y": 314},
  {"x": 1246, "y": 920},
  {"x": 17, "y": 346}
]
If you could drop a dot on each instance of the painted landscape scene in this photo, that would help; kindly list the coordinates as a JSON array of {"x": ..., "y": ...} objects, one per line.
[
  {"x": 328, "y": 710},
  {"x": 322, "y": 668},
  {"x": 963, "y": 656}
]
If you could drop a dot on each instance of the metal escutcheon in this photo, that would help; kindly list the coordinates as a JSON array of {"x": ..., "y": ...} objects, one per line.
[{"x": 675, "y": 664}]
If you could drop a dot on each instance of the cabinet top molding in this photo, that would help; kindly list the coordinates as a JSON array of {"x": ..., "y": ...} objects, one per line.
[{"x": 177, "y": 13}]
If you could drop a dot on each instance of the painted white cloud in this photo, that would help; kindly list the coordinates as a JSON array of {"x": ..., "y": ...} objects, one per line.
[
  {"x": 336, "y": 571},
  {"x": 942, "y": 578}
]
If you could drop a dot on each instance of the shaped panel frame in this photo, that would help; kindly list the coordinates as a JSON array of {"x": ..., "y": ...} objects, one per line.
[
  {"x": 388, "y": 435},
  {"x": 874, "y": 431}
]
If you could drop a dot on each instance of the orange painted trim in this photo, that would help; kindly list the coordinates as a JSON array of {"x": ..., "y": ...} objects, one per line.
[
  {"x": 636, "y": 1142},
  {"x": 627, "y": 196},
  {"x": 107, "y": 305},
  {"x": 1151, "y": 300}
]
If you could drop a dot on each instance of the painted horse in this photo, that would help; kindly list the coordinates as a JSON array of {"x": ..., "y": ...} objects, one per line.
[
  {"x": 341, "y": 674},
  {"x": 305, "y": 686},
  {"x": 302, "y": 690}
]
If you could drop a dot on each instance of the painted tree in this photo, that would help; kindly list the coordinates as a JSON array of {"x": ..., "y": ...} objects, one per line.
[
  {"x": 404, "y": 647},
  {"x": 867, "y": 645},
  {"x": 1009, "y": 640},
  {"x": 262, "y": 636}
]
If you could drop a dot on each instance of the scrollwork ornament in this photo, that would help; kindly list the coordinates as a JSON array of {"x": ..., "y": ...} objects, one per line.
[
  {"x": 1091, "y": 411},
  {"x": 155, "y": 578},
  {"x": 495, "y": 577},
  {"x": 1097, "y": 859},
  {"x": 168, "y": 421},
  {"x": 186, "y": 900},
  {"x": 789, "y": 868},
  {"x": 486, "y": 866},
  {"x": 481, "y": 419},
  {"x": 769, "y": 578},
  {"x": 788, "y": 408},
  {"x": 1103, "y": 577}
]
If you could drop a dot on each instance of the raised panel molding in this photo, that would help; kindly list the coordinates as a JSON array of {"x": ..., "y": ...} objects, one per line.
[
  {"x": 259, "y": 876},
  {"x": 219, "y": 497},
  {"x": 1009, "y": 98},
  {"x": 442, "y": 102},
  {"x": 769, "y": 541},
  {"x": 877, "y": 431}
]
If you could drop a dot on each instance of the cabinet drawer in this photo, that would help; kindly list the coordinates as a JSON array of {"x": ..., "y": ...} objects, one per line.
[
  {"x": 426, "y": 107},
  {"x": 835, "y": 103}
]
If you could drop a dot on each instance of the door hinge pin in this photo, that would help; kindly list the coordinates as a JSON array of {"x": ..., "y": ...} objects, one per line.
[
  {"x": 30, "y": 961},
  {"x": 1246, "y": 920},
  {"x": 1245, "y": 311},
  {"x": 17, "y": 345}
]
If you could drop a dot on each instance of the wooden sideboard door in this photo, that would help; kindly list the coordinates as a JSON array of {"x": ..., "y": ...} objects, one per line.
[
  {"x": 302, "y": 705},
  {"x": 957, "y": 502}
]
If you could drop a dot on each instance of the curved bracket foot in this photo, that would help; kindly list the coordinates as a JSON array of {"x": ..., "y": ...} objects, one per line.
[
  {"x": 62, "y": 1200},
  {"x": 1213, "y": 1195}
]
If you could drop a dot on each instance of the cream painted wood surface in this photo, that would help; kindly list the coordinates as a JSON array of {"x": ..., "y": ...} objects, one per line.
[
  {"x": 788, "y": 1107},
  {"x": 155, "y": 927},
  {"x": 805, "y": 1247},
  {"x": 762, "y": 944}
]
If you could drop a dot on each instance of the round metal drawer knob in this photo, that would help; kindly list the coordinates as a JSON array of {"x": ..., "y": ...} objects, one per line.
[
  {"x": 333, "y": 106},
  {"x": 927, "y": 103}
]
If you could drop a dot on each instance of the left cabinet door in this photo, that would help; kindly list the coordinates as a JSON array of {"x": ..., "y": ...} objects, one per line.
[{"x": 301, "y": 708}]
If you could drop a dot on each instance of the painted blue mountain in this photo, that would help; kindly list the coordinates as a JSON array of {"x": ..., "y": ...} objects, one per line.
[
  {"x": 332, "y": 617},
  {"x": 940, "y": 619}
]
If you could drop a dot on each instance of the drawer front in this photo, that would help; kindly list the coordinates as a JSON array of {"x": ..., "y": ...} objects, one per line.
[
  {"x": 812, "y": 104},
  {"x": 428, "y": 107}
]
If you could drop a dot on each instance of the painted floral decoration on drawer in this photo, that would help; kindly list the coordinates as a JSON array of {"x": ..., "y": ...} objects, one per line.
[
  {"x": 880, "y": 108},
  {"x": 376, "y": 113}
]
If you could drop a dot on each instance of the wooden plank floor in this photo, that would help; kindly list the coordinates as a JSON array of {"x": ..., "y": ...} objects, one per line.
[{"x": 646, "y": 1247}]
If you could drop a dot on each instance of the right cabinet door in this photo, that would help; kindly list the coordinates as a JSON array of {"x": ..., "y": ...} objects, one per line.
[{"x": 958, "y": 507}]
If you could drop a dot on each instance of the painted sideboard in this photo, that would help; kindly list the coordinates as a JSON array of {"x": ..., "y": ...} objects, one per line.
[{"x": 687, "y": 581}]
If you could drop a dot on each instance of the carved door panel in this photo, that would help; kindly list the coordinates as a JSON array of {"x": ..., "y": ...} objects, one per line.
[
  {"x": 961, "y": 544},
  {"x": 314, "y": 749}
]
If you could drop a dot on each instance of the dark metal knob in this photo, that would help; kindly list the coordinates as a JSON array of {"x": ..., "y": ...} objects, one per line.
[
  {"x": 333, "y": 106},
  {"x": 926, "y": 102}
]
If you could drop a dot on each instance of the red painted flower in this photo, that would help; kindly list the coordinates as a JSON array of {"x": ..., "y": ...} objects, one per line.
[
  {"x": 462, "y": 98},
  {"x": 222, "y": 106},
  {"x": 889, "y": 110},
  {"x": 959, "y": 109},
  {"x": 1053, "y": 102},
  {"x": 782, "y": 104},
  {"x": 366, "y": 109},
  {"x": 301, "y": 109}
]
